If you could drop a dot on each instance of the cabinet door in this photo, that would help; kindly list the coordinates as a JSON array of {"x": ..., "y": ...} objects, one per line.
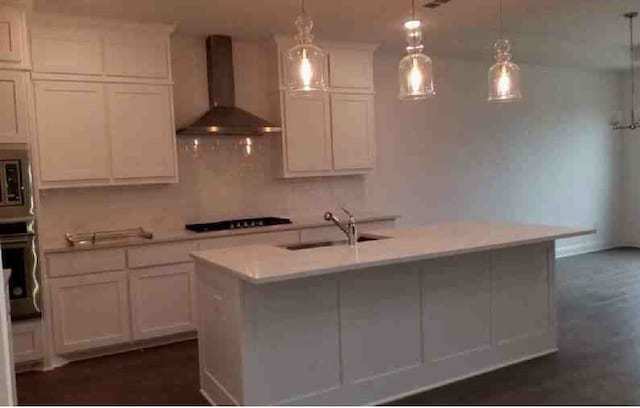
[
  {"x": 307, "y": 132},
  {"x": 162, "y": 300},
  {"x": 142, "y": 133},
  {"x": 13, "y": 107},
  {"x": 136, "y": 55},
  {"x": 351, "y": 68},
  {"x": 90, "y": 311},
  {"x": 66, "y": 50},
  {"x": 352, "y": 131},
  {"x": 27, "y": 340},
  {"x": 72, "y": 131},
  {"x": 11, "y": 34}
]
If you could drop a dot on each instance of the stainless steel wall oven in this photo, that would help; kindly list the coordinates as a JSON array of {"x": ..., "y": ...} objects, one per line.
[{"x": 18, "y": 239}]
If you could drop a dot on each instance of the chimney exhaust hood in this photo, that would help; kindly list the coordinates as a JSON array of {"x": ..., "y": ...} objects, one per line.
[{"x": 223, "y": 117}]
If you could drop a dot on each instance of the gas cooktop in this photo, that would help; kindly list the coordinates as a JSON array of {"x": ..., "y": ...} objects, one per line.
[{"x": 240, "y": 223}]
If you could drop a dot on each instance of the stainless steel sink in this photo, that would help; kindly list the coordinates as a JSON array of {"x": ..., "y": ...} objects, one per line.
[{"x": 320, "y": 244}]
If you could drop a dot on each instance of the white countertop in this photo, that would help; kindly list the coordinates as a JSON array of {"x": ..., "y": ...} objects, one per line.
[
  {"x": 264, "y": 263},
  {"x": 297, "y": 222}
]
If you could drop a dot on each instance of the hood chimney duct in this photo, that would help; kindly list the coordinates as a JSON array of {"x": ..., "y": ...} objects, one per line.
[{"x": 223, "y": 117}]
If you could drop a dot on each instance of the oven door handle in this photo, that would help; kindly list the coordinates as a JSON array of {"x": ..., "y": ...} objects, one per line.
[{"x": 17, "y": 239}]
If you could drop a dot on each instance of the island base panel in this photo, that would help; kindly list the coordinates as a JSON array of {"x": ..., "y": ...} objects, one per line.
[{"x": 373, "y": 335}]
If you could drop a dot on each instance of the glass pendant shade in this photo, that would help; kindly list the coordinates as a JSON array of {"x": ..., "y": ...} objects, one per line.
[
  {"x": 415, "y": 77},
  {"x": 415, "y": 72},
  {"x": 307, "y": 62},
  {"x": 504, "y": 76}
]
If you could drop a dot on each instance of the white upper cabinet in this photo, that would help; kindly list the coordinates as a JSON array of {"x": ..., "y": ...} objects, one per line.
[
  {"x": 141, "y": 130},
  {"x": 136, "y": 55},
  {"x": 104, "y": 103},
  {"x": 331, "y": 133},
  {"x": 114, "y": 51},
  {"x": 64, "y": 50},
  {"x": 308, "y": 137},
  {"x": 13, "y": 38},
  {"x": 351, "y": 68},
  {"x": 13, "y": 107},
  {"x": 72, "y": 131},
  {"x": 352, "y": 124}
]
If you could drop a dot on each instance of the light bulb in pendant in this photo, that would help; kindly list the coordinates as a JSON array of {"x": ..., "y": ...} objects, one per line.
[
  {"x": 306, "y": 71},
  {"x": 415, "y": 78},
  {"x": 504, "y": 83}
]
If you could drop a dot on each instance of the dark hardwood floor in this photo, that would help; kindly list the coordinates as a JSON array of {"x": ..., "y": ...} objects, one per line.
[{"x": 598, "y": 361}]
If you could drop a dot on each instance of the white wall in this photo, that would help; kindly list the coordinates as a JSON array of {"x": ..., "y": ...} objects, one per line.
[
  {"x": 552, "y": 158},
  {"x": 549, "y": 159}
]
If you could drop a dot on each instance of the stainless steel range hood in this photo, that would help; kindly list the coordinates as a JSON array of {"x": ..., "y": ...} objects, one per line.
[{"x": 223, "y": 117}]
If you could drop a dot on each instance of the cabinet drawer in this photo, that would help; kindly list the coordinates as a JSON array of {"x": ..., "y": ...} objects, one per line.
[
  {"x": 274, "y": 238},
  {"x": 161, "y": 254},
  {"x": 27, "y": 341},
  {"x": 83, "y": 262}
]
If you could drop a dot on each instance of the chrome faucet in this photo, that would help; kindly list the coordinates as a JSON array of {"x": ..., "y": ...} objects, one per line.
[{"x": 351, "y": 230}]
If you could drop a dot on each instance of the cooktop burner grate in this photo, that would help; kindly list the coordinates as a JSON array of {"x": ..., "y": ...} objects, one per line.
[{"x": 240, "y": 223}]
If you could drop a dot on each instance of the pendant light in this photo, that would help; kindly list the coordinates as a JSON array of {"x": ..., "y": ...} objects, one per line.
[
  {"x": 415, "y": 72},
  {"x": 504, "y": 75},
  {"x": 307, "y": 62},
  {"x": 634, "y": 124}
]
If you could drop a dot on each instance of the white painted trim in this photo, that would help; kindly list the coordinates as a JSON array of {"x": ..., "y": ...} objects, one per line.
[
  {"x": 584, "y": 248},
  {"x": 463, "y": 377},
  {"x": 206, "y": 396},
  {"x": 59, "y": 19}
]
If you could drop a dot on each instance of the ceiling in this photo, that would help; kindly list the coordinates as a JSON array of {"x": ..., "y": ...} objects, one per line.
[{"x": 575, "y": 33}]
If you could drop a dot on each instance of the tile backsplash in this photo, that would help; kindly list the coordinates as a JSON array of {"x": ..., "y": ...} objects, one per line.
[{"x": 217, "y": 180}]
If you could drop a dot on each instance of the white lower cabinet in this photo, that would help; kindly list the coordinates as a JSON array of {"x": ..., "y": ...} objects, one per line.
[
  {"x": 162, "y": 300},
  {"x": 27, "y": 341},
  {"x": 90, "y": 311},
  {"x": 116, "y": 296}
]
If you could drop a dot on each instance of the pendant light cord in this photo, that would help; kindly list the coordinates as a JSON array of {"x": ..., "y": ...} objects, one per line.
[
  {"x": 500, "y": 28},
  {"x": 303, "y": 9},
  {"x": 633, "y": 76},
  {"x": 413, "y": 9}
]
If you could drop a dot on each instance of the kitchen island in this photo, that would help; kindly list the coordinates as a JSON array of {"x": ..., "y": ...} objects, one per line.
[{"x": 409, "y": 310}]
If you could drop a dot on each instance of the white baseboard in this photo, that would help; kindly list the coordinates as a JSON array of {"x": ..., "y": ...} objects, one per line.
[{"x": 583, "y": 248}]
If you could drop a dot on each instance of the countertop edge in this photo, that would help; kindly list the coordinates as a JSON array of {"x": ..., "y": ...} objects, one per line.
[
  {"x": 405, "y": 259},
  {"x": 190, "y": 236}
]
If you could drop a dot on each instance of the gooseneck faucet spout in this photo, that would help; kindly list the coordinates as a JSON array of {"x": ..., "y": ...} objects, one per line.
[{"x": 350, "y": 230}]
